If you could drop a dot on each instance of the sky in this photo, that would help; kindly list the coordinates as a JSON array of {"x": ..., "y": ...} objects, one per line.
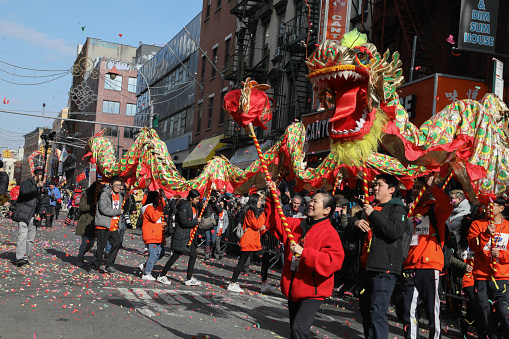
[{"x": 44, "y": 35}]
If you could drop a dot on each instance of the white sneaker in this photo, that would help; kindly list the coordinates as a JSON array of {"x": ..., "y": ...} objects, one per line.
[
  {"x": 267, "y": 288},
  {"x": 234, "y": 287},
  {"x": 163, "y": 280},
  {"x": 142, "y": 268},
  {"x": 193, "y": 282},
  {"x": 148, "y": 277}
]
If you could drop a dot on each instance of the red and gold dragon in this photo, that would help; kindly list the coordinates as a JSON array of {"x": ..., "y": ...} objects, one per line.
[{"x": 358, "y": 87}]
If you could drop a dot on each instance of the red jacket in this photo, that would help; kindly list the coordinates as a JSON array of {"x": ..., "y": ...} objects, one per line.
[
  {"x": 250, "y": 241},
  {"x": 480, "y": 242},
  {"x": 153, "y": 230},
  {"x": 425, "y": 252},
  {"x": 322, "y": 256}
]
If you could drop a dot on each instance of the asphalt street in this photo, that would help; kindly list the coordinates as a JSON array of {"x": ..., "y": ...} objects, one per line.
[{"x": 52, "y": 298}]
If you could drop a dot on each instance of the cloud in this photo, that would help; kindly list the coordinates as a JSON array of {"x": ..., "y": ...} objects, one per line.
[{"x": 29, "y": 35}]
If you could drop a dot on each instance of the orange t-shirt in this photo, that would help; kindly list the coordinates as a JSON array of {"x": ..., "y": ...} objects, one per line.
[
  {"x": 468, "y": 258},
  {"x": 365, "y": 246}
]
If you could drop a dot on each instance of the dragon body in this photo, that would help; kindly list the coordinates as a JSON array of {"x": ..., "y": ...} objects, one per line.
[{"x": 357, "y": 86}]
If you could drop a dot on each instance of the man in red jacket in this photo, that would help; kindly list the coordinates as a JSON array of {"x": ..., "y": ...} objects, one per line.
[
  {"x": 489, "y": 239},
  {"x": 310, "y": 262},
  {"x": 425, "y": 258}
]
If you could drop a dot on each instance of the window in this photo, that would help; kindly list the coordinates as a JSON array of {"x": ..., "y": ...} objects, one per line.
[
  {"x": 114, "y": 84},
  {"x": 211, "y": 109},
  {"x": 112, "y": 107},
  {"x": 131, "y": 86},
  {"x": 218, "y": 4},
  {"x": 198, "y": 123},
  {"x": 182, "y": 118},
  {"x": 226, "y": 52},
  {"x": 129, "y": 132},
  {"x": 214, "y": 60},
  {"x": 281, "y": 33},
  {"x": 130, "y": 110},
  {"x": 208, "y": 9},
  {"x": 111, "y": 131},
  {"x": 203, "y": 63}
]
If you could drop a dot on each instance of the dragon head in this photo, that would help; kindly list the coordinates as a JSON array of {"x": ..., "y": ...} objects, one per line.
[{"x": 352, "y": 80}]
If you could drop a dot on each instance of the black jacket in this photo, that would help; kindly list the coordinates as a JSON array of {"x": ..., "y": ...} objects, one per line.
[
  {"x": 45, "y": 199},
  {"x": 28, "y": 201},
  {"x": 4, "y": 183},
  {"x": 184, "y": 223},
  {"x": 388, "y": 226}
]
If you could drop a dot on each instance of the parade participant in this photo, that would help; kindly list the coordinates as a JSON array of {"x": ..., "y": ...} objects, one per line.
[
  {"x": 24, "y": 213},
  {"x": 107, "y": 218},
  {"x": 381, "y": 255},
  {"x": 153, "y": 233},
  {"x": 55, "y": 203},
  {"x": 295, "y": 208},
  {"x": 488, "y": 239},
  {"x": 254, "y": 226},
  {"x": 43, "y": 210},
  {"x": 185, "y": 220},
  {"x": 425, "y": 258},
  {"x": 73, "y": 214},
  {"x": 86, "y": 222},
  {"x": 221, "y": 228},
  {"x": 309, "y": 264}
]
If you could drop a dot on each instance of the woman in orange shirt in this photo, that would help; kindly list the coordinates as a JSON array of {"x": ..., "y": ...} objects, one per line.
[{"x": 254, "y": 226}]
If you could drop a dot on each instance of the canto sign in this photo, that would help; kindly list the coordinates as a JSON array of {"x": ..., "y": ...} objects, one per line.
[
  {"x": 478, "y": 25},
  {"x": 334, "y": 20}
]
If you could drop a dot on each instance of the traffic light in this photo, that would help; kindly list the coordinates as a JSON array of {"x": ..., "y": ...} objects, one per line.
[
  {"x": 6, "y": 153},
  {"x": 155, "y": 122}
]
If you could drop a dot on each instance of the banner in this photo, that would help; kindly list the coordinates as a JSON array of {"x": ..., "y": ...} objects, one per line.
[
  {"x": 334, "y": 20},
  {"x": 478, "y": 25}
]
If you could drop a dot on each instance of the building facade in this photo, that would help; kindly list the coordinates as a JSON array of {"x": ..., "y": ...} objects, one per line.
[{"x": 167, "y": 91}]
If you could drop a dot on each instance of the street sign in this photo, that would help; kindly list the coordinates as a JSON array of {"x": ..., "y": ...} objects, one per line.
[
  {"x": 478, "y": 25},
  {"x": 498, "y": 79}
]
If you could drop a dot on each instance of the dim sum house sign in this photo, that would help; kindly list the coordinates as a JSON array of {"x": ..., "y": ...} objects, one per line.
[{"x": 478, "y": 25}]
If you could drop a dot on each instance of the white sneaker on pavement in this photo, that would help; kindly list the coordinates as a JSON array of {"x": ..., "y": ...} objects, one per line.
[
  {"x": 234, "y": 287},
  {"x": 163, "y": 280},
  {"x": 193, "y": 282},
  {"x": 267, "y": 288},
  {"x": 148, "y": 277}
]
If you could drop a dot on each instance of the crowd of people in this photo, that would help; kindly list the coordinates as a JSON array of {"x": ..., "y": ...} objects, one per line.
[{"x": 385, "y": 248}]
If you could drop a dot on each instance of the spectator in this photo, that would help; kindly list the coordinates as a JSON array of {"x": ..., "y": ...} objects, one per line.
[
  {"x": 213, "y": 208},
  {"x": 24, "y": 213},
  {"x": 488, "y": 239},
  {"x": 4, "y": 183},
  {"x": 294, "y": 209},
  {"x": 54, "y": 194},
  {"x": 310, "y": 262},
  {"x": 381, "y": 257},
  {"x": 461, "y": 208},
  {"x": 425, "y": 259}
]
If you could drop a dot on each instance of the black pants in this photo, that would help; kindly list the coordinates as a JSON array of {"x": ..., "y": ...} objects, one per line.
[
  {"x": 486, "y": 291},
  {"x": 421, "y": 285},
  {"x": 473, "y": 314},
  {"x": 104, "y": 236},
  {"x": 375, "y": 291},
  {"x": 264, "y": 256},
  {"x": 302, "y": 314},
  {"x": 50, "y": 216},
  {"x": 193, "y": 254},
  {"x": 57, "y": 210}
]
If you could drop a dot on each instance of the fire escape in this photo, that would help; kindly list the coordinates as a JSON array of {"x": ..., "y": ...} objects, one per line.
[
  {"x": 295, "y": 99},
  {"x": 246, "y": 61},
  {"x": 404, "y": 19}
]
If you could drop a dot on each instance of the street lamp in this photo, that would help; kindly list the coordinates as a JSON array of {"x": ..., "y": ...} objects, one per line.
[{"x": 113, "y": 74}]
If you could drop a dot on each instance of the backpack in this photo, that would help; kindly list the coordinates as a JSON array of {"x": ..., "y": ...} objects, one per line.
[{"x": 406, "y": 239}]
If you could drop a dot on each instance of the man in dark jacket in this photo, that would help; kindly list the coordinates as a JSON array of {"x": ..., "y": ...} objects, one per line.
[
  {"x": 4, "y": 185},
  {"x": 24, "y": 214},
  {"x": 43, "y": 211},
  {"x": 381, "y": 255}
]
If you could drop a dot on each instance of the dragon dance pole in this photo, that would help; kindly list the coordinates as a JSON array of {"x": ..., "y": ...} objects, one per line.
[
  {"x": 446, "y": 182},
  {"x": 193, "y": 231},
  {"x": 272, "y": 189},
  {"x": 365, "y": 184},
  {"x": 493, "y": 260},
  {"x": 412, "y": 208}
]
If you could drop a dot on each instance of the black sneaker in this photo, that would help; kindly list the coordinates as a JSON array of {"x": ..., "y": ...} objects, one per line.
[
  {"x": 93, "y": 271},
  {"x": 110, "y": 270},
  {"x": 21, "y": 262}
]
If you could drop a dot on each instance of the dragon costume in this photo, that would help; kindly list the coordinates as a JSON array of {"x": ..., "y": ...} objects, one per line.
[{"x": 357, "y": 86}]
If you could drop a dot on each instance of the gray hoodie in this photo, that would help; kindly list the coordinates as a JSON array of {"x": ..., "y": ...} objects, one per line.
[
  {"x": 454, "y": 221},
  {"x": 105, "y": 209}
]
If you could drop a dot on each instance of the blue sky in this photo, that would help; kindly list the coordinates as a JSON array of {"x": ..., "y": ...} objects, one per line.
[{"x": 43, "y": 35}]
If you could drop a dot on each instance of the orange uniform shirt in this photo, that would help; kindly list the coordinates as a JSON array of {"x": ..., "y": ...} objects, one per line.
[{"x": 480, "y": 242}]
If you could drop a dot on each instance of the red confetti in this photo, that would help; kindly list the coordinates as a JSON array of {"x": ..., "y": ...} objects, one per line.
[
  {"x": 120, "y": 35},
  {"x": 6, "y": 101}
]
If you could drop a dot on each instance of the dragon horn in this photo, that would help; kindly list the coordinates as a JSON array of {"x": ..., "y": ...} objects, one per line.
[{"x": 89, "y": 154}]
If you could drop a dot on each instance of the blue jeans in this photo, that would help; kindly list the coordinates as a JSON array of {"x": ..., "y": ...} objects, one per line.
[
  {"x": 210, "y": 239},
  {"x": 86, "y": 245},
  {"x": 155, "y": 252}
]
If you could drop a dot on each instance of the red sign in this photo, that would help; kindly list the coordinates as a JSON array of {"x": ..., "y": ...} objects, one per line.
[{"x": 337, "y": 20}]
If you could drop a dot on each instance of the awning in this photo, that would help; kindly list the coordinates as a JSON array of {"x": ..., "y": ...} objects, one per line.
[
  {"x": 245, "y": 156},
  {"x": 203, "y": 152}
]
